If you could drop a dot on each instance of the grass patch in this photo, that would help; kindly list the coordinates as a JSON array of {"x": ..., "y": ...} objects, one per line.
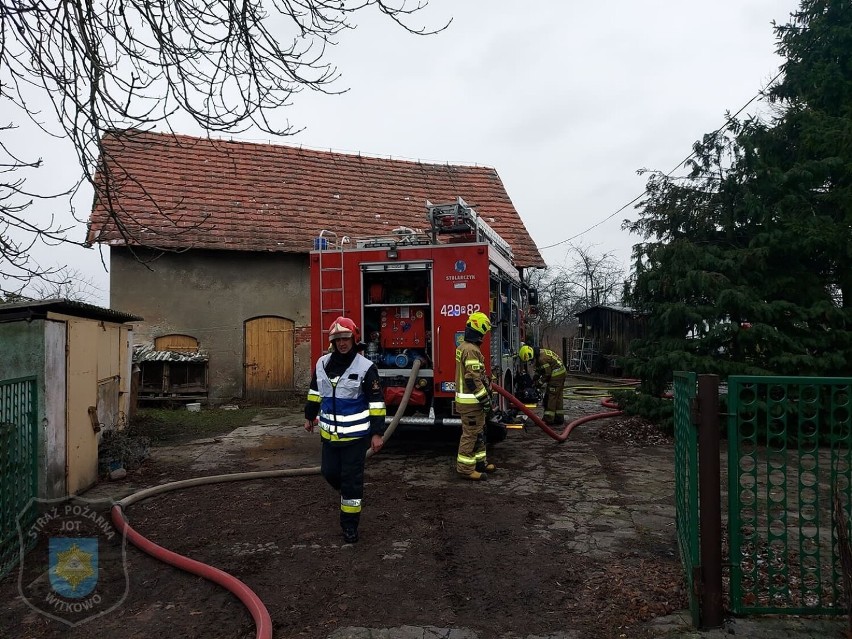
[{"x": 167, "y": 427}]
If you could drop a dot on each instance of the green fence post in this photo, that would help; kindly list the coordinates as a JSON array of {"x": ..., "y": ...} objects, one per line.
[{"x": 710, "y": 501}]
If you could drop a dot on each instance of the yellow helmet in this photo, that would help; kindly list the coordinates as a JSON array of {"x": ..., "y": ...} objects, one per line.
[
  {"x": 525, "y": 353},
  {"x": 479, "y": 322}
]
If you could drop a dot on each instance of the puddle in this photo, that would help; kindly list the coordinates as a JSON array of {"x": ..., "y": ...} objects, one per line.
[
  {"x": 270, "y": 451},
  {"x": 268, "y": 445}
]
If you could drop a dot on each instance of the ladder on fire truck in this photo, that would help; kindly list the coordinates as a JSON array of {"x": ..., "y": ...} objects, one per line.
[
  {"x": 332, "y": 291},
  {"x": 459, "y": 218}
]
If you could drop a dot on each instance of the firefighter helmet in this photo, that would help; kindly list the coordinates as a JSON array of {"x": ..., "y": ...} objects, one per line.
[
  {"x": 342, "y": 327},
  {"x": 525, "y": 353},
  {"x": 479, "y": 322}
]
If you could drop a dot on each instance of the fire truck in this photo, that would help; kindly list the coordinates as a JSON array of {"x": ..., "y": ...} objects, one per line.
[{"x": 411, "y": 293}]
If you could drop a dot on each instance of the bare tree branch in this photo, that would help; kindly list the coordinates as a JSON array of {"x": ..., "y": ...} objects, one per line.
[
  {"x": 111, "y": 65},
  {"x": 586, "y": 279}
]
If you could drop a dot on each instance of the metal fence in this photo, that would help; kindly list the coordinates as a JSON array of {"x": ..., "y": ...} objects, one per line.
[
  {"x": 789, "y": 456},
  {"x": 18, "y": 462},
  {"x": 686, "y": 483}
]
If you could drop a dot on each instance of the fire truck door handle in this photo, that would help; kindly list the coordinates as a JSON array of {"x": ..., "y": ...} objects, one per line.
[{"x": 437, "y": 347}]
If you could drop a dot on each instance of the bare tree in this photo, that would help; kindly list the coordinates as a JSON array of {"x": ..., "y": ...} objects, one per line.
[
  {"x": 110, "y": 65},
  {"x": 18, "y": 232},
  {"x": 586, "y": 279},
  {"x": 64, "y": 283},
  {"x": 557, "y": 304},
  {"x": 595, "y": 279}
]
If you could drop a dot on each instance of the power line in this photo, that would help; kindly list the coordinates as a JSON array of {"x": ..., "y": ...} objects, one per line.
[{"x": 675, "y": 168}]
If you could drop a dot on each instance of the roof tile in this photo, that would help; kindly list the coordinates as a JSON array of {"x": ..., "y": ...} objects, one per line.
[{"x": 177, "y": 192}]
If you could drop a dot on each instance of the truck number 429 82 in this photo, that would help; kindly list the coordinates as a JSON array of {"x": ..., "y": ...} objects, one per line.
[{"x": 456, "y": 310}]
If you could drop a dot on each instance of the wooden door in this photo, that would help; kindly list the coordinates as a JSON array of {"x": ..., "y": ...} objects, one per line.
[
  {"x": 81, "y": 452},
  {"x": 268, "y": 356},
  {"x": 175, "y": 342}
]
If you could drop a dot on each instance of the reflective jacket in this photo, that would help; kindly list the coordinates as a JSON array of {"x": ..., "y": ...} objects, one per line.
[
  {"x": 345, "y": 410},
  {"x": 548, "y": 366},
  {"x": 471, "y": 379}
]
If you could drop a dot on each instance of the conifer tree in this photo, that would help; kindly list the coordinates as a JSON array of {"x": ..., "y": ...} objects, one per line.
[{"x": 747, "y": 263}]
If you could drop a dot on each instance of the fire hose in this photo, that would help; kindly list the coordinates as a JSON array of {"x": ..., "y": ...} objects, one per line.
[
  {"x": 253, "y": 603},
  {"x": 559, "y": 437}
]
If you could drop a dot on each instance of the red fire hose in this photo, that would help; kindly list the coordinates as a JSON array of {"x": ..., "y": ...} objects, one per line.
[
  {"x": 258, "y": 611},
  {"x": 262, "y": 620},
  {"x": 559, "y": 437}
]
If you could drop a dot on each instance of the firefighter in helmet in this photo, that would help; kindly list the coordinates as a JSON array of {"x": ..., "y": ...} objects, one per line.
[
  {"x": 347, "y": 400},
  {"x": 549, "y": 374},
  {"x": 473, "y": 400}
]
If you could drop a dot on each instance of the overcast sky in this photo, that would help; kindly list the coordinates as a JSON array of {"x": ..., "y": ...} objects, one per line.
[{"x": 565, "y": 99}]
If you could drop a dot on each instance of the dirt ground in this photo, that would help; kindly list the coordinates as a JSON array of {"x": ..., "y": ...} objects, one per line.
[{"x": 566, "y": 540}]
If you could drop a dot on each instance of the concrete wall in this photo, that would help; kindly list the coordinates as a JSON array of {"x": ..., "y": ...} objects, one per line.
[
  {"x": 22, "y": 350},
  {"x": 209, "y": 295},
  {"x": 38, "y": 348}
]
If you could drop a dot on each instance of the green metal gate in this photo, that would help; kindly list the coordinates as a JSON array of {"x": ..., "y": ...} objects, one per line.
[
  {"x": 686, "y": 483},
  {"x": 790, "y": 453},
  {"x": 18, "y": 462}
]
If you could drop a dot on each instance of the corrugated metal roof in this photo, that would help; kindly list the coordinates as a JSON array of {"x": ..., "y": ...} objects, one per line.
[
  {"x": 147, "y": 353},
  {"x": 38, "y": 309}
]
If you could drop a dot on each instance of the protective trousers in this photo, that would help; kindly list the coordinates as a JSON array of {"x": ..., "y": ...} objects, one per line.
[
  {"x": 343, "y": 468},
  {"x": 553, "y": 402},
  {"x": 472, "y": 442}
]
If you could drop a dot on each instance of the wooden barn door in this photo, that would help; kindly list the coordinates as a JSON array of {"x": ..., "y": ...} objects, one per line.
[{"x": 268, "y": 357}]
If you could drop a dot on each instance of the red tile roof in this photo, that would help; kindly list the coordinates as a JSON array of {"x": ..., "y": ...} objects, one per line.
[{"x": 179, "y": 192}]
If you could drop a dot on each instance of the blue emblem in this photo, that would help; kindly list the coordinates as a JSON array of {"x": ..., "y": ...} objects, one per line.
[
  {"x": 81, "y": 553},
  {"x": 461, "y": 267},
  {"x": 73, "y": 565}
]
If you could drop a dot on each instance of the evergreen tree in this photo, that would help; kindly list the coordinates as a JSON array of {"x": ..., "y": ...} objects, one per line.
[{"x": 747, "y": 267}]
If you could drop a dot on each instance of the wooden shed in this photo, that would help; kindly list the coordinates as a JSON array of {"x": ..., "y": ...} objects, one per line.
[
  {"x": 173, "y": 369},
  {"x": 65, "y": 371},
  {"x": 603, "y": 335}
]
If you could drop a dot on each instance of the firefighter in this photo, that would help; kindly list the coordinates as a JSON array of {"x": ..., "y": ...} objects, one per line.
[
  {"x": 550, "y": 375},
  {"x": 347, "y": 400},
  {"x": 473, "y": 400}
]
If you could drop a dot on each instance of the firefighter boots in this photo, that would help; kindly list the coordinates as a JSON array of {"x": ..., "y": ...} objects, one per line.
[
  {"x": 350, "y": 535},
  {"x": 475, "y": 476},
  {"x": 485, "y": 468}
]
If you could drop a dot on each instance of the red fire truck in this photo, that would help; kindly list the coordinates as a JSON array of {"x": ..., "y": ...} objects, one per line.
[{"x": 411, "y": 293}]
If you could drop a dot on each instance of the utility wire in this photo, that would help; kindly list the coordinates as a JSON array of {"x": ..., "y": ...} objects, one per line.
[{"x": 676, "y": 167}]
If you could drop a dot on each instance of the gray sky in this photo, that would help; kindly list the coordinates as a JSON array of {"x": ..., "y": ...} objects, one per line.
[{"x": 566, "y": 99}]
